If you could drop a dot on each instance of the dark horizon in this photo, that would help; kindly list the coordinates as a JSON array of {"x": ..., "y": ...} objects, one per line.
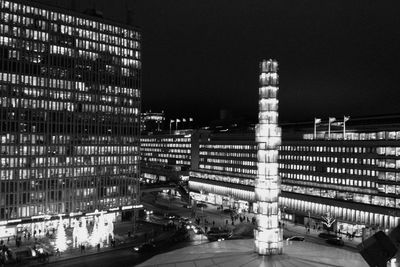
[{"x": 336, "y": 58}]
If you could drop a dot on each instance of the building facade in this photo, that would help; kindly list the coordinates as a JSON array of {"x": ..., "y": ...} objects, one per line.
[
  {"x": 69, "y": 114},
  {"x": 355, "y": 181},
  {"x": 152, "y": 121},
  {"x": 166, "y": 157}
]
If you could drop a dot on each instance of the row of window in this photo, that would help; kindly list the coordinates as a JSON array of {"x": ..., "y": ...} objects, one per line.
[
  {"x": 62, "y": 106},
  {"x": 46, "y": 84},
  {"x": 227, "y": 169},
  {"x": 169, "y": 156},
  {"x": 18, "y": 162},
  {"x": 68, "y": 19},
  {"x": 391, "y": 135},
  {"x": 225, "y": 179},
  {"x": 228, "y": 161},
  {"x": 228, "y": 146},
  {"x": 327, "y": 180},
  {"x": 228, "y": 154},
  {"x": 358, "y": 161},
  {"x": 47, "y": 173},
  {"x": 389, "y": 176},
  {"x": 332, "y": 149},
  {"x": 65, "y": 139},
  {"x": 128, "y": 57},
  {"x": 348, "y": 196},
  {"x": 388, "y": 151},
  {"x": 61, "y": 150},
  {"x": 298, "y": 167},
  {"x": 352, "y": 171}
]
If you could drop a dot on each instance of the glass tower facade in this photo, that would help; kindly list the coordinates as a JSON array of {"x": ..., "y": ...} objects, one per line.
[
  {"x": 268, "y": 235},
  {"x": 69, "y": 112}
]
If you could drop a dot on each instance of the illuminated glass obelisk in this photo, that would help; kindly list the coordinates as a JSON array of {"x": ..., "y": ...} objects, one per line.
[{"x": 268, "y": 235}]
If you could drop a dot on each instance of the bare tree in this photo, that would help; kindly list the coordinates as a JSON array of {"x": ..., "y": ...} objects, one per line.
[{"x": 328, "y": 221}]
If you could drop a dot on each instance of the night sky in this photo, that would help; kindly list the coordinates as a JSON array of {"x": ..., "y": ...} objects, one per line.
[{"x": 336, "y": 57}]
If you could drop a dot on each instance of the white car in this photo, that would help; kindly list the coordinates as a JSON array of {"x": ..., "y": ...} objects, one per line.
[{"x": 295, "y": 238}]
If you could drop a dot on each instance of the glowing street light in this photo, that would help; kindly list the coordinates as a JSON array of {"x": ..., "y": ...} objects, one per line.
[{"x": 170, "y": 126}]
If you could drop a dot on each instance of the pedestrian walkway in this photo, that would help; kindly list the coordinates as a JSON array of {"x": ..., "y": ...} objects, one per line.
[
  {"x": 76, "y": 253},
  {"x": 123, "y": 238},
  {"x": 290, "y": 229}
]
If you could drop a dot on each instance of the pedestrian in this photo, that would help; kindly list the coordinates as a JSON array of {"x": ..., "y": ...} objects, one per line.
[
  {"x": 226, "y": 221},
  {"x": 213, "y": 223},
  {"x": 98, "y": 246}
]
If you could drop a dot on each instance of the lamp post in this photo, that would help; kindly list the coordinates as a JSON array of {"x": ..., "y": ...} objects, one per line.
[
  {"x": 170, "y": 126},
  {"x": 176, "y": 123},
  {"x": 329, "y": 126}
]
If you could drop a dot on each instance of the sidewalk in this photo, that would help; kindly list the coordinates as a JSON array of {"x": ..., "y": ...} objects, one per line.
[
  {"x": 123, "y": 240},
  {"x": 290, "y": 228},
  {"x": 296, "y": 229},
  {"x": 77, "y": 254}
]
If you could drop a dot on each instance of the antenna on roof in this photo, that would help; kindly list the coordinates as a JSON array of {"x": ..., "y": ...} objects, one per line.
[{"x": 129, "y": 13}]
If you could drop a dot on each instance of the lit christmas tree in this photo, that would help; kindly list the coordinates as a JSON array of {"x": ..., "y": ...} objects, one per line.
[
  {"x": 83, "y": 232},
  {"x": 61, "y": 238},
  {"x": 110, "y": 228},
  {"x": 95, "y": 237}
]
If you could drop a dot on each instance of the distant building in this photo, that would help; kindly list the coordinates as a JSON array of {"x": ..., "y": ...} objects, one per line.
[
  {"x": 152, "y": 121},
  {"x": 356, "y": 181},
  {"x": 69, "y": 116},
  {"x": 166, "y": 157}
]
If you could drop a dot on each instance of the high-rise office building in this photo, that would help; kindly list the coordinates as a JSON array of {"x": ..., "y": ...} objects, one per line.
[{"x": 69, "y": 115}]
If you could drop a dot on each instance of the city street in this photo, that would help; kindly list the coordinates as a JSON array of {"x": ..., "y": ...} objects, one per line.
[{"x": 211, "y": 213}]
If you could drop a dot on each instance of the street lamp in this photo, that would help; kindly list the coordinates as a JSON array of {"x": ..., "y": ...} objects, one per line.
[
  {"x": 170, "y": 126},
  {"x": 176, "y": 123}
]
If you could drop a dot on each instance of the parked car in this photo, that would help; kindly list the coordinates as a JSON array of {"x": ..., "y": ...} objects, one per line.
[
  {"x": 185, "y": 220},
  {"x": 201, "y": 205},
  {"x": 170, "y": 216},
  {"x": 216, "y": 234},
  {"x": 145, "y": 248},
  {"x": 296, "y": 238},
  {"x": 335, "y": 241}
]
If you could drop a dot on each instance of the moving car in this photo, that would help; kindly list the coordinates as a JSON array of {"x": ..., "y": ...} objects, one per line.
[
  {"x": 295, "y": 238},
  {"x": 146, "y": 247},
  {"x": 335, "y": 241}
]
